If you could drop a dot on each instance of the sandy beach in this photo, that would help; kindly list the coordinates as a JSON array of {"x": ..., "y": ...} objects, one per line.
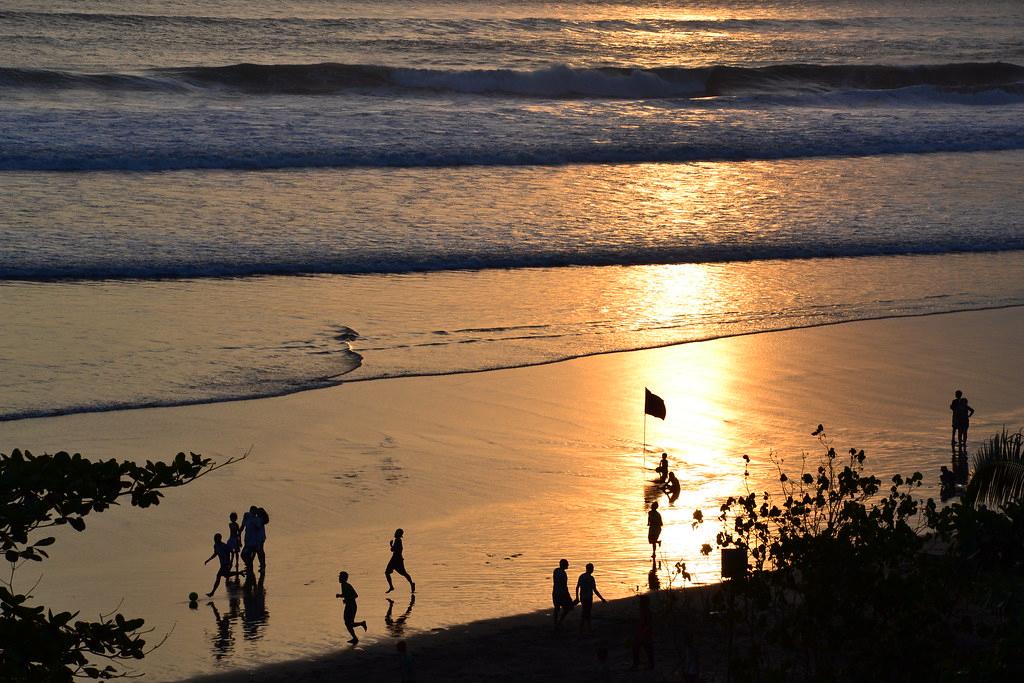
[{"x": 495, "y": 476}]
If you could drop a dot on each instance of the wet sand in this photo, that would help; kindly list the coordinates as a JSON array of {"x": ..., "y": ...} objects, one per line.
[{"x": 495, "y": 476}]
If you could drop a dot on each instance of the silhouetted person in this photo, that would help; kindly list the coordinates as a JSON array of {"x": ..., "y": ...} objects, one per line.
[
  {"x": 672, "y": 487},
  {"x": 222, "y": 553},
  {"x": 405, "y": 661},
  {"x": 254, "y": 524},
  {"x": 586, "y": 589},
  {"x": 946, "y": 478},
  {"x": 643, "y": 635},
  {"x": 234, "y": 538},
  {"x": 397, "y": 563},
  {"x": 947, "y": 483},
  {"x": 962, "y": 413},
  {"x": 348, "y": 595},
  {"x": 654, "y": 525},
  {"x": 560, "y": 592},
  {"x": 662, "y": 468},
  {"x": 396, "y": 625}
]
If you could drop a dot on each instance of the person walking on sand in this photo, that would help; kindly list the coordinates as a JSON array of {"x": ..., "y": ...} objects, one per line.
[
  {"x": 348, "y": 595},
  {"x": 586, "y": 589},
  {"x": 560, "y": 592},
  {"x": 397, "y": 563},
  {"x": 222, "y": 553},
  {"x": 962, "y": 413},
  {"x": 654, "y": 525}
]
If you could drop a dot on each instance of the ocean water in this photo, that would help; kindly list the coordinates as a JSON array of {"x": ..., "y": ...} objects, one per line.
[
  {"x": 206, "y": 202},
  {"x": 288, "y": 195}
]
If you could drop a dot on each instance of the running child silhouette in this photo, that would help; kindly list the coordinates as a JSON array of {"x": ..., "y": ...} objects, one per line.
[
  {"x": 223, "y": 553},
  {"x": 348, "y": 595},
  {"x": 397, "y": 563}
]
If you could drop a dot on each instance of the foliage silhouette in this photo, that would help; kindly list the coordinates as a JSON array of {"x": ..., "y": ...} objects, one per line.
[
  {"x": 39, "y": 492},
  {"x": 998, "y": 475},
  {"x": 849, "y": 575}
]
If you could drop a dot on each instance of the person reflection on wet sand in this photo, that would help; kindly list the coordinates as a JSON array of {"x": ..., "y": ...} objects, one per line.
[
  {"x": 653, "y": 492},
  {"x": 653, "y": 580},
  {"x": 224, "y": 639},
  {"x": 396, "y": 625},
  {"x": 254, "y": 610}
]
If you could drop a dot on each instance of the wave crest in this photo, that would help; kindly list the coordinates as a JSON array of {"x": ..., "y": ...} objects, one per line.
[{"x": 558, "y": 81}]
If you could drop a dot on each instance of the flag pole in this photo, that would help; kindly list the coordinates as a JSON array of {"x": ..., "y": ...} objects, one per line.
[{"x": 644, "y": 446}]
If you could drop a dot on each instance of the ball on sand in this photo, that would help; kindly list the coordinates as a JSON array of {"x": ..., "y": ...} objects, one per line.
[{"x": 193, "y": 596}]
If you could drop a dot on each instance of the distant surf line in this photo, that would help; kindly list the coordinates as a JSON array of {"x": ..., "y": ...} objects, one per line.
[
  {"x": 114, "y": 407},
  {"x": 30, "y": 273}
]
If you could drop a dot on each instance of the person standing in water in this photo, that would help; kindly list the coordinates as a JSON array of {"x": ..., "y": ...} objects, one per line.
[
  {"x": 586, "y": 589},
  {"x": 560, "y": 592},
  {"x": 962, "y": 413},
  {"x": 397, "y": 563},
  {"x": 348, "y": 595},
  {"x": 654, "y": 525},
  {"x": 662, "y": 468},
  {"x": 234, "y": 538}
]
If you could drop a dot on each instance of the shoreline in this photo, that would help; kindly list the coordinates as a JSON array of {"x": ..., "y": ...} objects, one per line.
[{"x": 58, "y": 413}]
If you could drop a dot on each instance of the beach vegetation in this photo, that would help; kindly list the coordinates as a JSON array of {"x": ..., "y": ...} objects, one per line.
[
  {"x": 998, "y": 474},
  {"x": 850, "y": 575},
  {"x": 40, "y": 492}
]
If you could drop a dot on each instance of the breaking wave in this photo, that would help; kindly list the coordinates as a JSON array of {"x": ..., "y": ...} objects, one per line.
[{"x": 559, "y": 81}]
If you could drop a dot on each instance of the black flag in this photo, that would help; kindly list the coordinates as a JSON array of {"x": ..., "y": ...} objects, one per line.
[{"x": 653, "y": 405}]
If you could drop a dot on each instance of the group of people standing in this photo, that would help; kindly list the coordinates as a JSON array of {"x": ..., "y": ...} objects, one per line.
[{"x": 246, "y": 541}]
